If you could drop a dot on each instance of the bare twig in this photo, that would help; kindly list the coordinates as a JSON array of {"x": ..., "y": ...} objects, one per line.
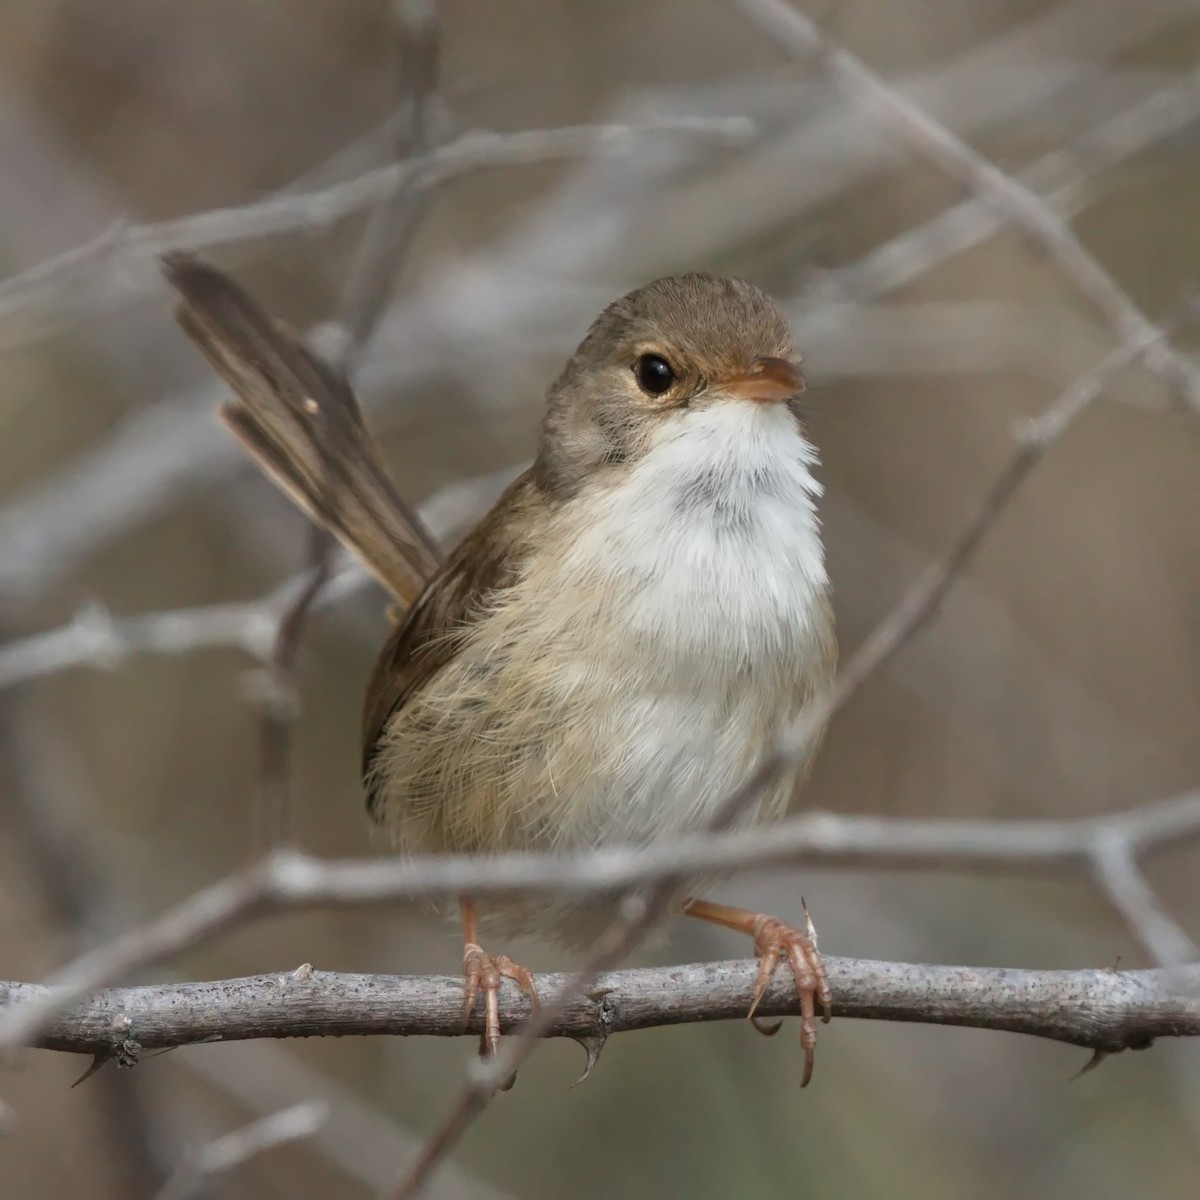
[
  {"x": 1118, "y": 876},
  {"x": 800, "y": 35},
  {"x": 359, "y": 1140},
  {"x": 140, "y": 246},
  {"x": 289, "y": 1125},
  {"x": 48, "y": 817},
  {"x": 289, "y": 881},
  {"x": 395, "y": 221},
  {"x": 43, "y": 534},
  {"x": 1065, "y": 178},
  {"x": 96, "y": 638},
  {"x": 278, "y": 698},
  {"x": 1098, "y": 1009},
  {"x": 378, "y": 260}
]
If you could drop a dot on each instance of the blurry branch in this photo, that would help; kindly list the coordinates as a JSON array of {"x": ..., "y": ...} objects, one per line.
[
  {"x": 48, "y": 817},
  {"x": 288, "y": 880},
  {"x": 1104, "y": 1010},
  {"x": 1002, "y": 192},
  {"x": 127, "y": 246},
  {"x": 97, "y": 638},
  {"x": 1065, "y": 177},
  {"x": 395, "y": 220},
  {"x": 1020, "y": 71},
  {"x": 276, "y": 693},
  {"x": 378, "y": 260},
  {"x": 141, "y": 463},
  {"x": 1115, "y": 870},
  {"x": 359, "y": 1140},
  {"x": 289, "y": 1125}
]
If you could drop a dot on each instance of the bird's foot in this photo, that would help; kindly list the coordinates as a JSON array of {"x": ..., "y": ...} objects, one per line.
[
  {"x": 483, "y": 972},
  {"x": 774, "y": 941}
]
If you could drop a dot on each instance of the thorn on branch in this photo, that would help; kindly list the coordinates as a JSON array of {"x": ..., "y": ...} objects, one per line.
[
  {"x": 594, "y": 1044},
  {"x": 126, "y": 1053},
  {"x": 593, "y": 1047},
  {"x": 98, "y": 1060},
  {"x": 1098, "y": 1056}
]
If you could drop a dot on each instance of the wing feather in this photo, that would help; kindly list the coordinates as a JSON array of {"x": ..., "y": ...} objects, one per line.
[{"x": 429, "y": 635}]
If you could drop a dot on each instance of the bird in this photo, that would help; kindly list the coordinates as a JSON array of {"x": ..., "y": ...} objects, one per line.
[{"x": 614, "y": 648}]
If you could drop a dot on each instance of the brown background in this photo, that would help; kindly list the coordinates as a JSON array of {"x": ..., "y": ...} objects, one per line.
[{"x": 1061, "y": 678}]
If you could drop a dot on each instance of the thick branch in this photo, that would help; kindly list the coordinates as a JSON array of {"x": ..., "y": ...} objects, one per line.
[
  {"x": 1102, "y": 1010},
  {"x": 288, "y": 880}
]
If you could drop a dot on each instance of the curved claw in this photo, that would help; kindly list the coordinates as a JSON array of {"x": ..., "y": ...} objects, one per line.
[
  {"x": 775, "y": 940},
  {"x": 762, "y": 1027}
]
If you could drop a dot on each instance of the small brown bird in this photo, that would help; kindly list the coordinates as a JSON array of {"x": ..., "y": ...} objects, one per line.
[{"x": 607, "y": 655}]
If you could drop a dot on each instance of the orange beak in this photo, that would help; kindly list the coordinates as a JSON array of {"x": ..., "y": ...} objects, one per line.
[{"x": 769, "y": 381}]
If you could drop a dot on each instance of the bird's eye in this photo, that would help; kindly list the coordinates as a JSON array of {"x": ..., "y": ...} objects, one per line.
[{"x": 654, "y": 374}]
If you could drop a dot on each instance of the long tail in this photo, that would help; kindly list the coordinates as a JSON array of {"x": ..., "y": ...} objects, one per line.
[{"x": 301, "y": 423}]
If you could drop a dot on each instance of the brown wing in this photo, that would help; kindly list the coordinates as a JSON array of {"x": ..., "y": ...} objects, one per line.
[{"x": 428, "y": 636}]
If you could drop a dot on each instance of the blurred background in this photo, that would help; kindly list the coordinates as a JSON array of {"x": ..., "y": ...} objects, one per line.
[{"x": 1061, "y": 678}]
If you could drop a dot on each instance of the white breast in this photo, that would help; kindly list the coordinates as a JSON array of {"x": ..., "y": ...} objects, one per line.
[{"x": 702, "y": 576}]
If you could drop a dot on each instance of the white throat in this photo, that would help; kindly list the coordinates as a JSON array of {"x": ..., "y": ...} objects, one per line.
[{"x": 714, "y": 535}]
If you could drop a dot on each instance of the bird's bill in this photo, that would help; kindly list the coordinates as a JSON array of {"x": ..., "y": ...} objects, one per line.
[{"x": 769, "y": 381}]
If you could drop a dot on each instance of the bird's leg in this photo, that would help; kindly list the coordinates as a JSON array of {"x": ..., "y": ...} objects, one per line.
[
  {"x": 482, "y": 973},
  {"x": 775, "y": 940}
]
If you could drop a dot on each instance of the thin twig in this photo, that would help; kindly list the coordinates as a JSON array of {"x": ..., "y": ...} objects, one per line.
[
  {"x": 359, "y": 1140},
  {"x": 801, "y": 36},
  {"x": 1064, "y": 177},
  {"x": 289, "y": 1125},
  {"x": 135, "y": 246},
  {"x": 278, "y": 695},
  {"x": 1121, "y": 881},
  {"x": 394, "y": 222},
  {"x": 97, "y": 638},
  {"x": 378, "y": 261}
]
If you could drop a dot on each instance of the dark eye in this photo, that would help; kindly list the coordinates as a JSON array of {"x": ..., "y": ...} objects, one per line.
[{"x": 654, "y": 374}]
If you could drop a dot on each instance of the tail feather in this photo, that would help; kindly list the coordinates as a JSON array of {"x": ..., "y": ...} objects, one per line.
[{"x": 302, "y": 424}]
